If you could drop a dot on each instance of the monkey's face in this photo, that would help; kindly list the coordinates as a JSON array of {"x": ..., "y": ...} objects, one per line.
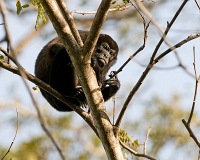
[{"x": 104, "y": 54}]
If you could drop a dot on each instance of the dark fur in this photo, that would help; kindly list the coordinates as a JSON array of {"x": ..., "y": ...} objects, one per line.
[{"x": 54, "y": 67}]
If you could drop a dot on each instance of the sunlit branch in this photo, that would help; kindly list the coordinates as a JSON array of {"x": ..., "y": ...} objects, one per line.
[
  {"x": 121, "y": 8},
  {"x": 136, "y": 153}
]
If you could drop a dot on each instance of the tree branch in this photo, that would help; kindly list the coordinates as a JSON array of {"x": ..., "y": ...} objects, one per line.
[
  {"x": 134, "y": 152},
  {"x": 148, "y": 68},
  {"x": 191, "y": 133},
  {"x": 95, "y": 29},
  {"x": 69, "y": 19},
  {"x": 52, "y": 91}
]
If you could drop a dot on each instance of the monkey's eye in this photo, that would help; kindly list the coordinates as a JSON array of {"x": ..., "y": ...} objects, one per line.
[
  {"x": 112, "y": 52},
  {"x": 105, "y": 46}
]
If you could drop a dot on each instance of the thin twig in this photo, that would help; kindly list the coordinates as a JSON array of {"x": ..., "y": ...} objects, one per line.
[
  {"x": 145, "y": 143},
  {"x": 187, "y": 124},
  {"x": 189, "y": 38},
  {"x": 7, "y": 34},
  {"x": 134, "y": 152},
  {"x": 13, "y": 138},
  {"x": 191, "y": 133},
  {"x": 197, "y": 4},
  {"x": 196, "y": 89},
  {"x": 169, "y": 25},
  {"x": 146, "y": 26},
  {"x": 114, "y": 107},
  {"x": 155, "y": 23},
  {"x": 124, "y": 7}
]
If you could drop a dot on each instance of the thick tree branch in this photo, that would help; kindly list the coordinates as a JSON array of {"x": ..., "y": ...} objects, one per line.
[
  {"x": 61, "y": 27},
  {"x": 95, "y": 29},
  {"x": 69, "y": 19}
]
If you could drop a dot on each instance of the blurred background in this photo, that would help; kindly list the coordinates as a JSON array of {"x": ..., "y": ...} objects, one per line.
[{"x": 164, "y": 99}]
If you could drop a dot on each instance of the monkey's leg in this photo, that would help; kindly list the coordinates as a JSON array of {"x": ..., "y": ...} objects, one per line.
[{"x": 64, "y": 79}]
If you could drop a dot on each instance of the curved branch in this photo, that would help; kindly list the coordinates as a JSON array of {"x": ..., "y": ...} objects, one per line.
[
  {"x": 136, "y": 153},
  {"x": 52, "y": 91}
]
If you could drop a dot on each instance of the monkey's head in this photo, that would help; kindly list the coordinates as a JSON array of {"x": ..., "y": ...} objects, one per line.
[{"x": 105, "y": 53}]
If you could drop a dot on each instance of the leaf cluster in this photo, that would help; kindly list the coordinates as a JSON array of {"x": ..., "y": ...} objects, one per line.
[
  {"x": 20, "y": 6},
  {"x": 41, "y": 11},
  {"x": 123, "y": 136}
]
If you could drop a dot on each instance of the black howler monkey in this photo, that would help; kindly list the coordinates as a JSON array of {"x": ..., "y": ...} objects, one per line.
[{"x": 54, "y": 67}]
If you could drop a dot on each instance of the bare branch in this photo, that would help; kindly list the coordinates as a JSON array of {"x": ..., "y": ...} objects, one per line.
[
  {"x": 119, "y": 119},
  {"x": 148, "y": 68},
  {"x": 155, "y": 23},
  {"x": 146, "y": 26},
  {"x": 13, "y": 138},
  {"x": 189, "y": 38},
  {"x": 187, "y": 125},
  {"x": 191, "y": 133},
  {"x": 167, "y": 29},
  {"x": 145, "y": 143},
  {"x": 7, "y": 36},
  {"x": 122, "y": 8},
  {"x": 196, "y": 89},
  {"x": 197, "y": 4},
  {"x": 134, "y": 152}
]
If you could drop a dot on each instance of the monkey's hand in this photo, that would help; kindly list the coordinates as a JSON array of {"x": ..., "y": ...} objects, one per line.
[
  {"x": 110, "y": 87},
  {"x": 112, "y": 81}
]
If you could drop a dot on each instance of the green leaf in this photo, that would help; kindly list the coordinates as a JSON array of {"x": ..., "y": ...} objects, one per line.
[
  {"x": 41, "y": 13},
  {"x": 126, "y": 1},
  {"x": 25, "y": 6},
  {"x": 1, "y": 57},
  {"x": 123, "y": 136},
  {"x": 136, "y": 143},
  {"x": 36, "y": 89},
  {"x": 117, "y": 6},
  {"x": 113, "y": 2},
  {"x": 19, "y": 7}
]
